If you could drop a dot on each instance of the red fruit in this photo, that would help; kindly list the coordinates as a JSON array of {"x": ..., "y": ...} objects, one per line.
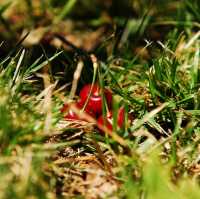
[
  {"x": 107, "y": 121},
  {"x": 95, "y": 102},
  {"x": 64, "y": 108},
  {"x": 71, "y": 115},
  {"x": 121, "y": 117},
  {"x": 86, "y": 110}
]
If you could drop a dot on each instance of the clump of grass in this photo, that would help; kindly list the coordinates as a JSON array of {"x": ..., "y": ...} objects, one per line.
[
  {"x": 23, "y": 155},
  {"x": 43, "y": 156}
]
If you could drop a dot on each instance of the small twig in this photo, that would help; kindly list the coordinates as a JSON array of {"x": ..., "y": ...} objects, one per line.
[
  {"x": 192, "y": 40},
  {"x": 77, "y": 75},
  {"x": 176, "y": 23},
  {"x": 79, "y": 51},
  {"x": 90, "y": 119},
  {"x": 74, "y": 159},
  {"x": 95, "y": 67}
]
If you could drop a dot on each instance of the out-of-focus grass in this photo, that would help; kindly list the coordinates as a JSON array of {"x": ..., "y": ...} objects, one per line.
[
  {"x": 152, "y": 66},
  {"x": 22, "y": 124}
]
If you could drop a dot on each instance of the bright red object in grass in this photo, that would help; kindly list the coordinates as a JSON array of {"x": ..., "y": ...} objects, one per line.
[
  {"x": 69, "y": 114},
  {"x": 107, "y": 121},
  {"x": 121, "y": 117},
  {"x": 95, "y": 101}
]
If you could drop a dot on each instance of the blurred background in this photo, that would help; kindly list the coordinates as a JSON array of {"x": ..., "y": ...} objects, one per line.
[
  {"x": 148, "y": 52},
  {"x": 94, "y": 24},
  {"x": 110, "y": 28}
]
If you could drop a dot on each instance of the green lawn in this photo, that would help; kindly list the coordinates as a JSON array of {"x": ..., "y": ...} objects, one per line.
[{"x": 146, "y": 53}]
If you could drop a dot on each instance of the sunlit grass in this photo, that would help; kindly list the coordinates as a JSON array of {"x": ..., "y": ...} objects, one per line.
[{"x": 156, "y": 155}]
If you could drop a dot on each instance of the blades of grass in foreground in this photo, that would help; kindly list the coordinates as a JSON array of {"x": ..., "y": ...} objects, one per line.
[
  {"x": 150, "y": 115},
  {"x": 15, "y": 49},
  {"x": 34, "y": 67},
  {"x": 195, "y": 68},
  {"x": 177, "y": 130},
  {"x": 67, "y": 8},
  {"x": 66, "y": 163}
]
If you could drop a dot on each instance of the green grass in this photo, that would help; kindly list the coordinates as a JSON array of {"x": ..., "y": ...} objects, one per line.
[{"x": 151, "y": 64}]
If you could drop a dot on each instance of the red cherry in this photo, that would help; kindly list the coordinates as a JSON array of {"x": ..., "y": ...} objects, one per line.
[
  {"x": 107, "y": 121},
  {"x": 64, "y": 108},
  {"x": 86, "y": 110},
  {"x": 71, "y": 115},
  {"x": 95, "y": 100},
  {"x": 121, "y": 117},
  {"x": 68, "y": 113}
]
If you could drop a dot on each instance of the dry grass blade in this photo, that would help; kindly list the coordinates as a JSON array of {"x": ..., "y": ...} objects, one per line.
[
  {"x": 149, "y": 115},
  {"x": 77, "y": 75}
]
